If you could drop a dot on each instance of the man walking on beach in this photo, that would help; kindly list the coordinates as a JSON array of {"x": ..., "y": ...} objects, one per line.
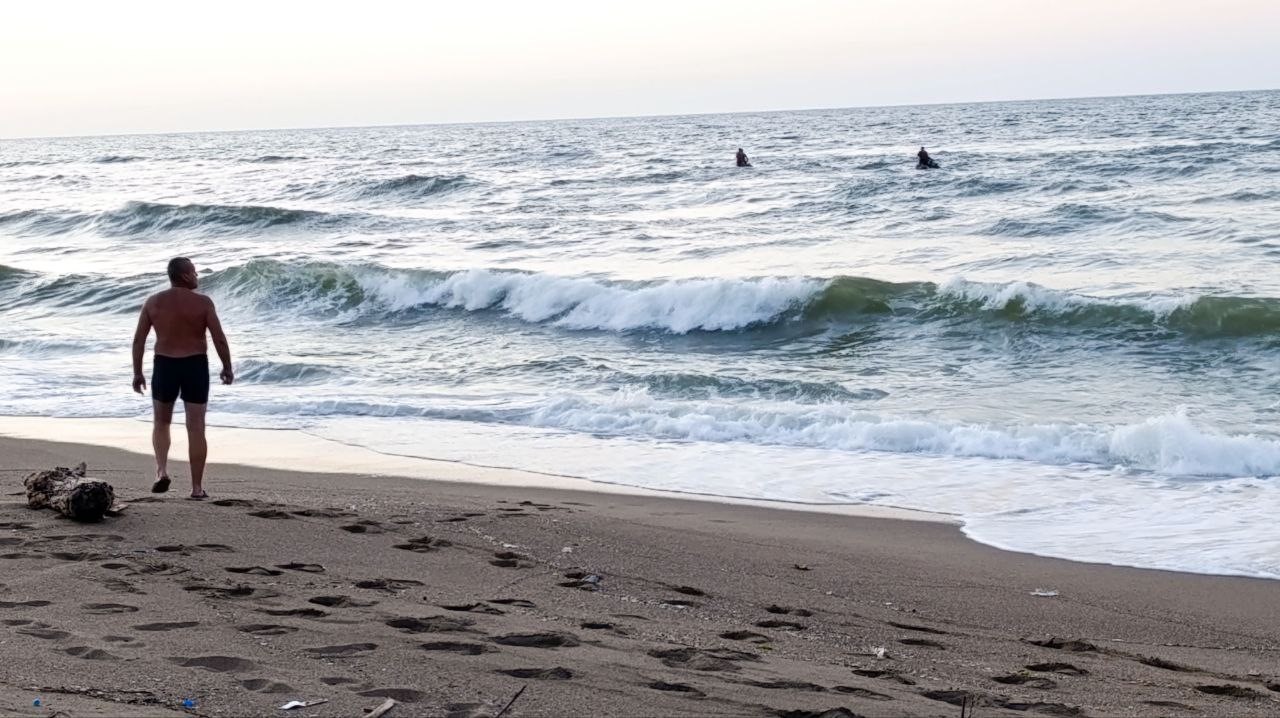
[{"x": 181, "y": 367}]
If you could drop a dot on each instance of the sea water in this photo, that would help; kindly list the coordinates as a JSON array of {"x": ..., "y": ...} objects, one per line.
[{"x": 1066, "y": 336}]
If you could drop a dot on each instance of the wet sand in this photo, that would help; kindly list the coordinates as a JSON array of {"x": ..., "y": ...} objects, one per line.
[{"x": 452, "y": 597}]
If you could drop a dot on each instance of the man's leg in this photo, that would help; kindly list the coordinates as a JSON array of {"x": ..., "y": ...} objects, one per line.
[
  {"x": 162, "y": 416},
  {"x": 199, "y": 450}
]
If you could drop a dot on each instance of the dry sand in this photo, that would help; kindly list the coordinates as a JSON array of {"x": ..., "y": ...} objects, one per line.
[{"x": 452, "y": 597}]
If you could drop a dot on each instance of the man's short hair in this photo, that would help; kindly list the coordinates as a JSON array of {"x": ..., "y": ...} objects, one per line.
[{"x": 177, "y": 267}]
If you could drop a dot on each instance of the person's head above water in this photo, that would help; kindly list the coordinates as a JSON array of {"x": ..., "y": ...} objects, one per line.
[{"x": 182, "y": 273}]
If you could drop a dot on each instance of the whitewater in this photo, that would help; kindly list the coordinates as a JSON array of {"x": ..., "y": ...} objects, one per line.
[{"x": 1065, "y": 337}]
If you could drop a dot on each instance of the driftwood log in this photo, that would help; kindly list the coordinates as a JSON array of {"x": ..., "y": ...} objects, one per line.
[{"x": 70, "y": 493}]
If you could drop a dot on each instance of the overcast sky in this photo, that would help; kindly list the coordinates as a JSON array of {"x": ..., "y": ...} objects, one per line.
[{"x": 132, "y": 66}]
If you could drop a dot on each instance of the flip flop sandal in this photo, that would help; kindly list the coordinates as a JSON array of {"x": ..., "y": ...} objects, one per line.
[{"x": 161, "y": 485}]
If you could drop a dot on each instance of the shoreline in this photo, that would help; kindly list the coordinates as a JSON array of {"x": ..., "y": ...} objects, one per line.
[
  {"x": 451, "y": 596},
  {"x": 300, "y": 451}
]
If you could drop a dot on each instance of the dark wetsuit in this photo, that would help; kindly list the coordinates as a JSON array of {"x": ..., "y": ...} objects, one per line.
[{"x": 187, "y": 377}]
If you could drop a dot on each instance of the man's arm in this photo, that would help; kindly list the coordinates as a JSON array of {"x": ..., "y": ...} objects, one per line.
[
  {"x": 220, "y": 344},
  {"x": 140, "y": 346}
]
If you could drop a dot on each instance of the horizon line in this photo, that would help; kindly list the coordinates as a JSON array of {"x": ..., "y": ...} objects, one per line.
[{"x": 626, "y": 117}]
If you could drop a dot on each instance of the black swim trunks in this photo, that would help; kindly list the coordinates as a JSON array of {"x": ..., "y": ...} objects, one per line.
[{"x": 187, "y": 378}]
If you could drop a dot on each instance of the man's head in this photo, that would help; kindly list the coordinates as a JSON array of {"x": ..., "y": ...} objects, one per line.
[{"x": 182, "y": 273}]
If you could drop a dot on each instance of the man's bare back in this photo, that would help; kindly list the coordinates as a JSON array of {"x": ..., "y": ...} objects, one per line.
[{"x": 180, "y": 318}]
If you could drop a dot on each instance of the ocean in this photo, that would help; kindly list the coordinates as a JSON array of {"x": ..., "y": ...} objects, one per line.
[{"x": 1066, "y": 336}]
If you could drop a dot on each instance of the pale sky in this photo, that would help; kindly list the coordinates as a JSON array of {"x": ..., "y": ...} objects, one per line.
[{"x": 101, "y": 67}]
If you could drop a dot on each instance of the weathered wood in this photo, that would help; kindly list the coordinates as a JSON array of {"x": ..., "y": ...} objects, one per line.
[{"x": 70, "y": 492}]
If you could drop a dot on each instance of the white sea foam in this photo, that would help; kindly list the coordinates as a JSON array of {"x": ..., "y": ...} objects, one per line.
[
  {"x": 1037, "y": 298},
  {"x": 1171, "y": 444},
  {"x": 677, "y": 306}
]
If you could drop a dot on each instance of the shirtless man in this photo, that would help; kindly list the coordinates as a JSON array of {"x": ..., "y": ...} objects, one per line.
[{"x": 181, "y": 367}]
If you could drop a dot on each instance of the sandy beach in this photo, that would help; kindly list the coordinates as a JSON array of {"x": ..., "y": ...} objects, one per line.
[{"x": 452, "y": 597}]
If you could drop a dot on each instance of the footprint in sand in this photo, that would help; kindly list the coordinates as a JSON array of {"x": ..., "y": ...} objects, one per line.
[
  {"x": 76, "y": 556},
  {"x": 121, "y": 586},
  {"x": 1061, "y": 645},
  {"x": 1155, "y": 662},
  {"x": 520, "y": 602},
  {"x": 138, "y": 566},
  {"x": 509, "y": 559},
  {"x": 460, "y": 647},
  {"x": 10, "y": 540},
  {"x": 299, "y": 612},
  {"x": 388, "y": 584},
  {"x": 17, "y": 621},
  {"x": 430, "y": 624},
  {"x": 786, "y": 625},
  {"x": 218, "y": 664},
  {"x": 237, "y": 503},
  {"x": 473, "y": 608},
  {"x": 750, "y": 636},
  {"x": 596, "y": 625},
  {"x": 404, "y": 695},
  {"x": 689, "y": 691},
  {"x": 15, "y": 525},
  {"x": 340, "y": 602},
  {"x": 265, "y": 629},
  {"x": 912, "y": 627},
  {"x": 1024, "y": 679},
  {"x": 424, "y": 544},
  {"x": 784, "y": 610},
  {"x": 922, "y": 642},
  {"x": 122, "y": 639},
  {"x": 25, "y": 604},
  {"x": 688, "y": 590},
  {"x": 883, "y": 675},
  {"x": 90, "y": 654},
  {"x": 538, "y": 674},
  {"x": 231, "y": 592},
  {"x": 81, "y": 538},
  {"x": 861, "y": 693},
  {"x": 364, "y": 527},
  {"x": 787, "y": 686},
  {"x": 102, "y": 609},
  {"x": 166, "y": 626},
  {"x": 1063, "y": 668},
  {"x": 679, "y": 603},
  {"x": 188, "y": 550},
  {"x": 338, "y": 680},
  {"x": 265, "y": 685},
  {"x": 550, "y": 639},
  {"x": 715, "y": 659},
  {"x": 304, "y": 567},
  {"x": 254, "y": 570},
  {"x": 346, "y": 650},
  {"x": 1233, "y": 691},
  {"x": 44, "y": 633}
]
